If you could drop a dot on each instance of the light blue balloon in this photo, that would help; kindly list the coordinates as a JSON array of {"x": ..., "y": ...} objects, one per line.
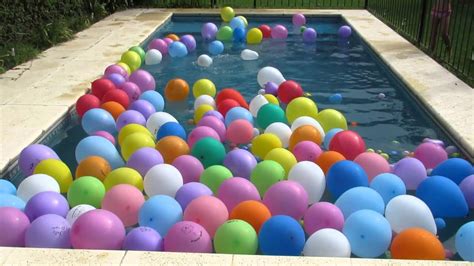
[
  {"x": 368, "y": 232},
  {"x": 236, "y": 23},
  {"x": 388, "y": 186},
  {"x": 238, "y": 113},
  {"x": 329, "y": 135},
  {"x": 160, "y": 212},
  {"x": 360, "y": 198},
  {"x": 155, "y": 99},
  {"x": 216, "y": 47},
  {"x": 98, "y": 146},
  {"x": 465, "y": 241},
  {"x": 177, "y": 49},
  {"x": 6, "y": 187},
  {"x": 98, "y": 119},
  {"x": 9, "y": 200}
]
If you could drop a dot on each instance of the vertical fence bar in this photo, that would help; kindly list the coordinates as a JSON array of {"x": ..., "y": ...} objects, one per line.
[
  {"x": 366, "y": 4},
  {"x": 422, "y": 22}
]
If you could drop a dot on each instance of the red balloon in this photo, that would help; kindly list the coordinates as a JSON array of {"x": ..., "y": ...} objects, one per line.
[
  {"x": 288, "y": 90},
  {"x": 348, "y": 143},
  {"x": 226, "y": 105},
  {"x": 118, "y": 96},
  {"x": 85, "y": 103},
  {"x": 101, "y": 86},
  {"x": 233, "y": 94},
  {"x": 266, "y": 30}
]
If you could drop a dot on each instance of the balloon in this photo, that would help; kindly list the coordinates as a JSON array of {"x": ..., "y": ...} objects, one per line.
[
  {"x": 304, "y": 133},
  {"x": 373, "y": 164},
  {"x": 98, "y": 146},
  {"x": 465, "y": 241},
  {"x": 407, "y": 211},
  {"x": 143, "y": 79},
  {"x": 173, "y": 37},
  {"x": 123, "y": 175},
  {"x": 281, "y": 130},
  {"x": 6, "y": 187},
  {"x": 248, "y": 55},
  {"x": 47, "y": 202},
  {"x": 238, "y": 113},
  {"x": 270, "y": 113},
  {"x": 271, "y": 88},
  {"x": 130, "y": 129},
  {"x": 204, "y": 86},
  {"x": 155, "y": 99},
  {"x": 417, "y": 244},
  {"x": 209, "y": 151},
  {"x": 177, "y": 49},
  {"x": 253, "y": 212},
  {"x": 35, "y": 184},
  {"x": 9, "y": 200},
  {"x": 327, "y": 159},
  {"x": 106, "y": 135},
  {"x": 139, "y": 51},
  {"x": 348, "y": 143},
  {"x": 279, "y": 32},
  {"x": 269, "y": 74},
  {"x": 153, "y": 57},
  {"x": 200, "y": 111},
  {"x": 189, "y": 41},
  {"x": 134, "y": 142},
  {"x": 368, "y": 233},
  {"x": 57, "y": 170},
  {"x": 216, "y": 47},
  {"x": 265, "y": 174},
  {"x": 144, "y": 107},
  {"x": 238, "y": 35},
  {"x": 162, "y": 179},
  {"x": 411, "y": 171},
  {"x": 281, "y": 235},
  {"x": 204, "y": 99},
  {"x": 443, "y": 197},
  {"x": 236, "y": 237},
  {"x": 115, "y": 69},
  {"x": 231, "y": 94},
  {"x": 360, "y": 198},
  {"x": 430, "y": 154},
  {"x": 328, "y": 137},
  {"x": 467, "y": 188},
  {"x": 143, "y": 159},
  {"x": 144, "y": 239},
  {"x": 160, "y": 212},
  {"x": 132, "y": 59},
  {"x": 344, "y": 175},
  {"x": 330, "y": 118},
  {"x": 327, "y": 243},
  {"x": 240, "y": 162},
  {"x": 101, "y": 87},
  {"x": 121, "y": 196},
  {"x": 309, "y": 35},
  {"x": 307, "y": 121},
  {"x": 266, "y": 31},
  {"x": 80, "y": 192},
  {"x": 299, "y": 20},
  {"x": 254, "y": 36},
  {"x": 306, "y": 151},
  {"x": 236, "y": 190},
  {"x": 204, "y": 60},
  {"x": 189, "y": 167},
  {"x": 455, "y": 169},
  {"x": 188, "y": 236},
  {"x": 298, "y": 106},
  {"x": 323, "y": 215},
  {"x": 85, "y": 103},
  {"x": 171, "y": 129},
  {"x": 98, "y": 119},
  {"x": 227, "y": 13},
  {"x": 156, "y": 120},
  {"x": 125, "y": 67},
  {"x": 282, "y": 156},
  {"x": 256, "y": 103},
  {"x": 388, "y": 186},
  {"x": 171, "y": 147},
  {"x": 287, "y": 198},
  {"x": 77, "y": 211},
  {"x": 209, "y": 31},
  {"x": 48, "y": 231},
  {"x": 345, "y": 31},
  {"x": 214, "y": 176},
  {"x": 190, "y": 191},
  {"x": 311, "y": 177},
  {"x": 225, "y": 33},
  {"x": 240, "y": 131},
  {"x": 159, "y": 45},
  {"x": 289, "y": 90},
  {"x": 207, "y": 211},
  {"x": 14, "y": 224},
  {"x": 114, "y": 108},
  {"x": 264, "y": 143},
  {"x": 117, "y": 79}
]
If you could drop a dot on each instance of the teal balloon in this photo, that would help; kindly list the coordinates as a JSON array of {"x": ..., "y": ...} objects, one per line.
[
  {"x": 464, "y": 241},
  {"x": 455, "y": 169},
  {"x": 360, "y": 198},
  {"x": 270, "y": 113},
  {"x": 209, "y": 151},
  {"x": 388, "y": 186}
]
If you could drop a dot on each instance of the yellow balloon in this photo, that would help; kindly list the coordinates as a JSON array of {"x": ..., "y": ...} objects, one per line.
[
  {"x": 254, "y": 36},
  {"x": 130, "y": 129},
  {"x": 132, "y": 59},
  {"x": 244, "y": 20},
  {"x": 123, "y": 175},
  {"x": 330, "y": 118},
  {"x": 227, "y": 13},
  {"x": 271, "y": 99},
  {"x": 125, "y": 67},
  {"x": 204, "y": 87},
  {"x": 57, "y": 170},
  {"x": 264, "y": 143},
  {"x": 136, "y": 141},
  {"x": 200, "y": 111},
  {"x": 284, "y": 157},
  {"x": 301, "y": 106}
]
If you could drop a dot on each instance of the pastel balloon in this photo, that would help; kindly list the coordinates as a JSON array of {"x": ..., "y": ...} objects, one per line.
[
  {"x": 287, "y": 198},
  {"x": 467, "y": 188},
  {"x": 156, "y": 120},
  {"x": 344, "y": 175},
  {"x": 256, "y": 103},
  {"x": 249, "y": 55},
  {"x": 34, "y": 154},
  {"x": 204, "y": 99},
  {"x": 162, "y": 179},
  {"x": 236, "y": 237},
  {"x": 281, "y": 130},
  {"x": 306, "y": 151},
  {"x": 209, "y": 31},
  {"x": 309, "y": 35},
  {"x": 323, "y": 215},
  {"x": 265, "y": 174},
  {"x": 143, "y": 159},
  {"x": 144, "y": 107},
  {"x": 282, "y": 156},
  {"x": 159, "y": 45},
  {"x": 214, "y": 176},
  {"x": 407, "y": 211},
  {"x": 430, "y": 154},
  {"x": 9, "y": 200},
  {"x": 35, "y": 184},
  {"x": 189, "y": 42},
  {"x": 6, "y": 187},
  {"x": 190, "y": 191},
  {"x": 144, "y": 80},
  {"x": 279, "y": 32},
  {"x": 204, "y": 60},
  {"x": 236, "y": 190},
  {"x": 330, "y": 118},
  {"x": 215, "y": 47},
  {"x": 455, "y": 169},
  {"x": 106, "y": 135},
  {"x": 240, "y": 162},
  {"x": 153, "y": 57},
  {"x": 388, "y": 186},
  {"x": 238, "y": 113},
  {"x": 155, "y": 99},
  {"x": 188, "y": 236},
  {"x": 305, "y": 121},
  {"x": 144, "y": 239},
  {"x": 465, "y": 241},
  {"x": 311, "y": 177},
  {"x": 360, "y": 198},
  {"x": 345, "y": 31},
  {"x": 189, "y": 167},
  {"x": 98, "y": 146},
  {"x": 77, "y": 211},
  {"x": 47, "y": 202},
  {"x": 121, "y": 196},
  {"x": 14, "y": 224},
  {"x": 48, "y": 231},
  {"x": 269, "y": 74},
  {"x": 208, "y": 211},
  {"x": 79, "y": 192},
  {"x": 160, "y": 212},
  {"x": 57, "y": 170},
  {"x": 373, "y": 164},
  {"x": 327, "y": 243},
  {"x": 411, "y": 171},
  {"x": 299, "y": 20},
  {"x": 177, "y": 49}
]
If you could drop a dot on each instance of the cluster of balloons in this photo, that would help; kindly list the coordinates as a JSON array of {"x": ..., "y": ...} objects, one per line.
[{"x": 172, "y": 44}]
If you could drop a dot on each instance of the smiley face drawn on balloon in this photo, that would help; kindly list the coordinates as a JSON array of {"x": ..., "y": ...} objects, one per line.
[{"x": 192, "y": 230}]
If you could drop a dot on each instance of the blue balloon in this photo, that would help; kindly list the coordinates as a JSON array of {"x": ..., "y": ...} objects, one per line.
[
  {"x": 177, "y": 49},
  {"x": 440, "y": 223},
  {"x": 236, "y": 23},
  {"x": 335, "y": 98},
  {"x": 160, "y": 212},
  {"x": 329, "y": 135},
  {"x": 216, "y": 47},
  {"x": 9, "y": 200},
  {"x": 360, "y": 198},
  {"x": 345, "y": 175},
  {"x": 6, "y": 187},
  {"x": 388, "y": 186},
  {"x": 98, "y": 119},
  {"x": 155, "y": 99},
  {"x": 238, "y": 35},
  {"x": 98, "y": 146},
  {"x": 238, "y": 113},
  {"x": 281, "y": 235},
  {"x": 368, "y": 232},
  {"x": 171, "y": 129},
  {"x": 464, "y": 241},
  {"x": 455, "y": 169},
  {"x": 443, "y": 197}
]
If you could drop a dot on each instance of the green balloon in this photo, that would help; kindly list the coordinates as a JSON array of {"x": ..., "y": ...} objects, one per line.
[
  {"x": 270, "y": 113},
  {"x": 209, "y": 151},
  {"x": 265, "y": 174},
  {"x": 236, "y": 237},
  {"x": 302, "y": 29},
  {"x": 132, "y": 59},
  {"x": 86, "y": 190},
  {"x": 213, "y": 177},
  {"x": 139, "y": 51},
  {"x": 225, "y": 33}
]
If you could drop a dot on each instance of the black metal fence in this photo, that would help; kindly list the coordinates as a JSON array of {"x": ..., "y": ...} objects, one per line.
[{"x": 256, "y": 3}]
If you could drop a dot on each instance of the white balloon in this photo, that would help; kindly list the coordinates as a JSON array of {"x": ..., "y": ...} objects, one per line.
[
  {"x": 156, "y": 120},
  {"x": 310, "y": 176},
  {"x": 77, "y": 211},
  {"x": 255, "y": 104},
  {"x": 35, "y": 184},
  {"x": 307, "y": 120},
  {"x": 204, "y": 99},
  {"x": 248, "y": 54},
  {"x": 204, "y": 60},
  {"x": 327, "y": 242},
  {"x": 153, "y": 57},
  {"x": 256, "y": 132},
  {"x": 281, "y": 130},
  {"x": 407, "y": 211},
  {"x": 268, "y": 74},
  {"x": 162, "y": 179}
]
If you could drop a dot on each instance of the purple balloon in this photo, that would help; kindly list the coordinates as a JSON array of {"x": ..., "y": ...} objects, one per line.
[
  {"x": 48, "y": 231},
  {"x": 116, "y": 78},
  {"x": 190, "y": 191},
  {"x": 33, "y": 155},
  {"x": 467, "y": 188},
  {"x": 189, "y": 167},
  {"x": 105, "y": 135},
  {"x": 215, "y": 123},
  {"x": 143, "y": 79},
  {"x": 240, "y": 162},
  {"x": 309, "y": 35},
  {"x": 189, "y": 41},
  {"x": 411, "y": 171},
  {"x": 115, "y": 69},
  {"x": 345, "y": 31},
  {"x": 130, "y": 117},
  {"x": 143, "y": 238},
  {"x": 159, "y": 45},
  {"x": 47, "y": 202},
  {"x": 13, "y": 224},
  {"x": 132, "y": 90},
  {"x": 271, "y": 88},
  {"x": 209, "y": 31},
  {"x": 144, "y": 107},
  {"x": 279, "y": 32},
  {"x": 143, "y": 159}
]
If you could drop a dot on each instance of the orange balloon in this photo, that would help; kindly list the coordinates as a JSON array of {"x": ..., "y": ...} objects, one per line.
[
  {"x": 417, "y": 244},
  {"x": 93, "y": 166},
  {"x": 305, "y": 133},
  {"x": 171, "y": 147},
  {"x": 173, "y": 37},
  {"x": 327, "y": 159},
  {"x": 114, "y": 108},
  {"x": 176, "y": 90},
  {"x": 253, "y": 212}
]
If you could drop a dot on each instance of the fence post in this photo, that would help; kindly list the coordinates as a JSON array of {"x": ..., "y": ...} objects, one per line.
[
  {"x": 422, "y": 22},
  {"x": 254, "y": 3},
  {"x": 366, "y": 4}
]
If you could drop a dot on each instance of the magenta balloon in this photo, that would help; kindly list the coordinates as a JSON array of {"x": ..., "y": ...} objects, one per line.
[
  {"x": 240, "y": 162},
  {"x": 235, "y": 190},
  {"x": 130, "y": 117},
  {"x": 47, "y": 202},
  {"x": 309, "y": 35},
  {"x": 467, "y": 188},
  {"x": 143, "y": 79},
  {"x": 159, "y": 45},
  {"x": 411, "y": 171},
  {"x": 105, "y": 135},
  {"x": 48, "y": 231},
  {"x": 215, "y": 114},
  {"x": 132, "y": 90},
  {"x": 143, "y": 159},
  {"x": 299, "y": 19},
  {"x": 13, "y": 224},
  {"x": 307, "y": 151},
  {"x": 201, "y": 132},
  {"x": 279, "y": 32},
  {"x": 323, "y": 215},
  {"x": 188, "y": 236},
  {"x": 168, "y": 41},
  {"x": 287, "y": 198},
  {"x": 209, "y": 31},
  {"x": 189, "y": 41},
  {"x": 97, "y": 229},
  {"x": 144, "y": 107},
  {"x": 143, "y": 238},
  {"x": 190, "y": 191},
  {"x": 115, "y": 69},
  {"x": 33, "y": 155},
  {"x": 430, "y": 154},
  {"x": 189, "y": 167},
  {"x": 215, "y": 123}
]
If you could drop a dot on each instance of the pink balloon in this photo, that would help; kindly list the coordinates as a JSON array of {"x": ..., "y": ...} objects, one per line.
[
  {"x": 208, "y": 211},
  {"x": 105, "y": 135},
  {"x": 411, "y": 171},
  {"x": 307, "y": 151},
  {"x": 115, "y": 69},
  {"x": 235, "y": 190},
  {"x": 132, "y": 90},
  {"x": 168, "y": 41},
  {"x": 279, "y": 32},
  {"x": 144, "y": 80},
  {"x": 13, "y": 224},
  {"x": 214, "y": 123},
  {"x": 189, "y": 167},
  {"x": 298, "y": 19},
  {"x": 240, "y": 131},
  {"x": 323, "y": 215},
  {"x": 124, "y": 201},
  {"x": 373, "y": 164},
  {"x": 188, "y": 236},
  {"x": 287, "y": 198},
  {"x": 201, "y": 132},
  {"x": 159, "y": 45},
  {"x": 430, "y": 154}
]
